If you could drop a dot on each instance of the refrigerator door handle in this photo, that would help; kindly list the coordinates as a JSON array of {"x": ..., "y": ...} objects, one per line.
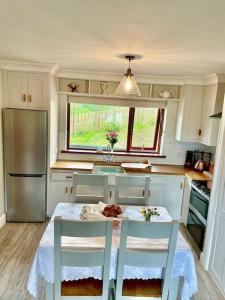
[{"x": 25, "y": 175}]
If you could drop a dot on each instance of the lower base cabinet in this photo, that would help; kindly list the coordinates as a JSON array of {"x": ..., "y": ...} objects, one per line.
[
  {"x": 165, "y": 191},
  {"x": 61, "y": 189}
]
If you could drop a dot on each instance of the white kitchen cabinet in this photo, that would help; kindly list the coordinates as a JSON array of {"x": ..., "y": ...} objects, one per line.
[
  {"x": 189, "y": 113},
  {"x": 214, "y": 241},
  {"x": 37, "y": 90},
  {"x": 174, "y": 195},
  {"x": 186, "y": 200},
  {"x": 25, "y": 90},
  {"x": 157, "y": 191},
  {"x": 209, "y": 127},
  {"x": 167, "y": 191},
  {"x": 61, "y": 189},
  {"x": 15, "y": 89}
]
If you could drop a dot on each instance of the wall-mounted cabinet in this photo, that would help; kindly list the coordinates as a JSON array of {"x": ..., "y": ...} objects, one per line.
[
  {"x": 197, "y": 104},
  {"x": 212, "y": 103},
  {"x": 189, "y": 114},
  {"x": 98, "y": 87},
  {"x": 25, "y": 89}
]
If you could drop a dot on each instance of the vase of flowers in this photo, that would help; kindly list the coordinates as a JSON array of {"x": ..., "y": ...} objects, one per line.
[
  {"x": 147, "y": 213},
  {"x": 112, "y": 138}
]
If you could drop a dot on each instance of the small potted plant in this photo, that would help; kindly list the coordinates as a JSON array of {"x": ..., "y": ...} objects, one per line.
[
  {"x": 112, "y": 137},
  {"x": 147, "y": 213}
]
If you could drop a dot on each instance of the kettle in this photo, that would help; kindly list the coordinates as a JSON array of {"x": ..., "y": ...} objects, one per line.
[{"x": 199, "y": 165}]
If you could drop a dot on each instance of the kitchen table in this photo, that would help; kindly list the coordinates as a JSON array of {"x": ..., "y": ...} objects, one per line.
[{"x": 43, "y": 264}]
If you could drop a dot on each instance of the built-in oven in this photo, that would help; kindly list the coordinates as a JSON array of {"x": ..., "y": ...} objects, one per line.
[{"x": 198, "y": 211}]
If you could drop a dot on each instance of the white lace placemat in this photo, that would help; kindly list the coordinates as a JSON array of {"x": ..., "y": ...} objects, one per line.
[{"x": 184, "y": 264}]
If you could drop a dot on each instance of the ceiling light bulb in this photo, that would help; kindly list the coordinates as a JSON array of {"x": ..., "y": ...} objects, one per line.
[{"x": 128, "y": 84}]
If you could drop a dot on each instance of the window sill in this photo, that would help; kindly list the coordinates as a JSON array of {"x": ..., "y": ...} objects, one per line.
[{"x": 119, "y": 153}]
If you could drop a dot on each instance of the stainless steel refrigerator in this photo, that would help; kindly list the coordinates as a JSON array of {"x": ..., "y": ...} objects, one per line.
[{"x": 25, "y": 159}]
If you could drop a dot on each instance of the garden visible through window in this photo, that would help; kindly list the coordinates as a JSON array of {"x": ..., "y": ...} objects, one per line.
[{"x": 137, "y": 128}]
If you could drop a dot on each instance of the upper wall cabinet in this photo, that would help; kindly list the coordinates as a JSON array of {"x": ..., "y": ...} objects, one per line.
[
  {"x": 194, "y": 110},
  {"x": 25, "y": 90},
  {"x": 213, "y": 103},
  {"x": 189, "y": 114}
]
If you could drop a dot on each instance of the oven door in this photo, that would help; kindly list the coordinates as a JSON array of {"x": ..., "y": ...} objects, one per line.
[
  {"x": 199, "y": 203},
  {"x": 196, "y": 227}
]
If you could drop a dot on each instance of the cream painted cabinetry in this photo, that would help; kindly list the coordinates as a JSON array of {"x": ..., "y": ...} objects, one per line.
[
  {"x": 167, "y": 191},
  {"x": 25, "y": 89},
  {"x": 61, "y": 189},
  {"x": 211, "y": 104},
  {"x": 189, "y": 113}
]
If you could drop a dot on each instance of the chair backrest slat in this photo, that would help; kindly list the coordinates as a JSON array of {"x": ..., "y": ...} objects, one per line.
[
  {"x": 130, "y": 183},
  {"x": 83, "y": 229},
  {"x": 90, "y": 180},
  {"x": 64, "y": 256},
  {"x": 147, "y": 258},
  {"x": 150, "y": 230},
  {"x": 91, "y": 258}
]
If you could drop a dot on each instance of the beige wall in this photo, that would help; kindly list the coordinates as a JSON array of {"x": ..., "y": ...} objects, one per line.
[{"x": 1, "y": 157}]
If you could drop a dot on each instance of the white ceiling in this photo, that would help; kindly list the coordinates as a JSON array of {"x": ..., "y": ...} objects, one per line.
[{"x": 176, "y": 37}]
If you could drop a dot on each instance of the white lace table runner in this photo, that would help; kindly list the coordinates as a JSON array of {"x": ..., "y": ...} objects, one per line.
[{"x": 43, "y": 265}]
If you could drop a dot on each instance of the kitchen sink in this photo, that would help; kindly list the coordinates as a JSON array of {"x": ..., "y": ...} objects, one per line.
[{"x": 109, "y": 169}]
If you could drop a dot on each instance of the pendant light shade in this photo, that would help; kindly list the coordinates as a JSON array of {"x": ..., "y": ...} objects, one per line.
[{"x": 128, "y": 84}]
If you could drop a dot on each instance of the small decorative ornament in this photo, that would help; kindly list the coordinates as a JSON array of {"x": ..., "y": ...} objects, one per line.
[
  {"x": 104, "y": 85},
  {"x": 147, "y": 213},
  {"x": 112, "y": 137},
  {"x": 166, "y": 94},
  {"x": 73, "y": 88}
]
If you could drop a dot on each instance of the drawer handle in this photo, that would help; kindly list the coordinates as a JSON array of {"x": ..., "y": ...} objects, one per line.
[{"x": 69, "y": 177}]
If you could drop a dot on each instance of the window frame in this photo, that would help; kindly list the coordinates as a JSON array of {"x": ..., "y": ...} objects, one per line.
[{"x": 129, "y": 149}]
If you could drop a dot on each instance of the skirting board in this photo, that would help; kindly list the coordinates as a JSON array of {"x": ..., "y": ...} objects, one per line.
[{"x": 2, "y": 220}]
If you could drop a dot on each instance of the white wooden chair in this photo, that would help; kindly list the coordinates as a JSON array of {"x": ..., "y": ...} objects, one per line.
[
  {"x": 90, "y": 188},
  {"x": 145, "y": 258},
  {"x": 126, "y": 185},
  {"x": 82, "y": 258}
]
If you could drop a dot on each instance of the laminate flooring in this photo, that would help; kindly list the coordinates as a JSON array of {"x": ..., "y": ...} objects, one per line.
[{"x": 18, "y": 244}]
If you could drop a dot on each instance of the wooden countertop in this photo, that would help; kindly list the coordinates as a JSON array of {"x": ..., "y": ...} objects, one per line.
[
  {"x": 156, "y": 169},
  {"x": 72, "y": 165}
]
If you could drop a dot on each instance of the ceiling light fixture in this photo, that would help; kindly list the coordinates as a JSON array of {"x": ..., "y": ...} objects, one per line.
[{"x": 128, "y": 84}]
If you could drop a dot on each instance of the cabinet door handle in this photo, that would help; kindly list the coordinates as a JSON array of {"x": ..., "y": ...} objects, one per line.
[
  {"x": 143, "y": 193},
  {"x": 66, "y": 189},
  {"x": 29, "y": 98},
  {"x": 71, "y": 190},
  {"x": 24, "y": 97},
  {"x": 181, "y": 185},
  {"x": 110, "y": 194}
]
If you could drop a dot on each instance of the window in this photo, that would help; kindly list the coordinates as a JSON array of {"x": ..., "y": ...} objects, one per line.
[{"x": 139, "y": 129}]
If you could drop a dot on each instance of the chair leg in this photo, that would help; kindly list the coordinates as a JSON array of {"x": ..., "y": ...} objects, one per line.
[
  {"x": 112, "y": 290},
  {"x": 174, "y": 289},
  {"x": 49, "y": 290}
]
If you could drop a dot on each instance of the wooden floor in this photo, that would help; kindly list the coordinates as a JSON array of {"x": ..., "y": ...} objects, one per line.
[{"x": 18, "y": 243}]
